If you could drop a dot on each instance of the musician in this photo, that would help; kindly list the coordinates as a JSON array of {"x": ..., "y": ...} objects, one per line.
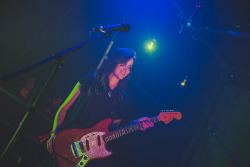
[{"x": 99, "y": 96}]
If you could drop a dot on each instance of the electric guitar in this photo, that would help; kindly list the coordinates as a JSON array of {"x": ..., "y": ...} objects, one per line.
[{"x": 75, "y": 147}]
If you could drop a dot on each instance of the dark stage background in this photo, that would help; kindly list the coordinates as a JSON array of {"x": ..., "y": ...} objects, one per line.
[{"x": 205, "y": 42}]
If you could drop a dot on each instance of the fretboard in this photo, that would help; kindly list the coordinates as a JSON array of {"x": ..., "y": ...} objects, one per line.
[{"x": 126, "y": 130}]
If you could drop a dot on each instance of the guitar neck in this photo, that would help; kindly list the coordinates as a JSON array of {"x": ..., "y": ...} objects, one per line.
[{"x": 126, "y": 130}]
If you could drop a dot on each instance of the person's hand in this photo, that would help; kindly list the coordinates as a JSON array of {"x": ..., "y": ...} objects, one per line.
[
  {"x": 145, "y": 123},
  {"x": 50, "y": 143}
]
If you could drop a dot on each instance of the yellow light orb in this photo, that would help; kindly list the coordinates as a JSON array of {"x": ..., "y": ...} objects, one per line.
[{"x": 151, "y": 45}]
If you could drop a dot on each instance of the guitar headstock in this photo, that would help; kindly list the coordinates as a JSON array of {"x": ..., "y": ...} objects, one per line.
[{"x": 169, "y": 116}]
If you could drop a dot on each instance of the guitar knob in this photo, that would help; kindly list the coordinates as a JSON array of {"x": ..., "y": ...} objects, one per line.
[
  {"x": 85, "y": 157},
  {"x": 81, "y": 163}
]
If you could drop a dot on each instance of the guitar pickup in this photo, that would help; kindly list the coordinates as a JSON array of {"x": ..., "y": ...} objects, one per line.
[
  {"x": 81, "y": 146},
  {"x": 77, "y": 148}
]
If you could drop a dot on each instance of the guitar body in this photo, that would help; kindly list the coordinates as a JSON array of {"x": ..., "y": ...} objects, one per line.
[{"x": 87, "y": 144}]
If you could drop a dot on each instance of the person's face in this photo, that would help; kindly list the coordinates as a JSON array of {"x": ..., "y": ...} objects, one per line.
[{"x": 122, "y": 70}]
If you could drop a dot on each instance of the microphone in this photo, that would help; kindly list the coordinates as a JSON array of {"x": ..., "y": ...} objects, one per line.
[{"x": 117, "y": 27}]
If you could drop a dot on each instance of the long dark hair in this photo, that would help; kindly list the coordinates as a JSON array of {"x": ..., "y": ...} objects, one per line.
[{"x": 101, "y": 78}]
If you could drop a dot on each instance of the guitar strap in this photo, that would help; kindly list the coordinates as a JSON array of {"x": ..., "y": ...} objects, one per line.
[{"x": 55, "y": 153}]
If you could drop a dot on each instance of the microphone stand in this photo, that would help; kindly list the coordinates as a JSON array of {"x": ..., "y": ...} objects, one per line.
[
  {"x": 213, "y": 132},
  {"x": 59, "y": 61}
]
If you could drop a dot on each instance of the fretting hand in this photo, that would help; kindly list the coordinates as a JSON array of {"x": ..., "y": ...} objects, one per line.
[{"x": 146, "y": 123}]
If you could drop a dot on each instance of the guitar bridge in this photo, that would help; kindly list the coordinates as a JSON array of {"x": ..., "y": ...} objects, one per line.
[{"x": 78, "y": 150}]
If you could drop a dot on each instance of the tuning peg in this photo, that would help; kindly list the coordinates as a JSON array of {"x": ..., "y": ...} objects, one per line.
[{"x": 167, "y": 110}]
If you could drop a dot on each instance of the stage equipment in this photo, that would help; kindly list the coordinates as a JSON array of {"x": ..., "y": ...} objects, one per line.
[
  {"x": 213, "y": 132},
  {"x": 117, "y": 27}
]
